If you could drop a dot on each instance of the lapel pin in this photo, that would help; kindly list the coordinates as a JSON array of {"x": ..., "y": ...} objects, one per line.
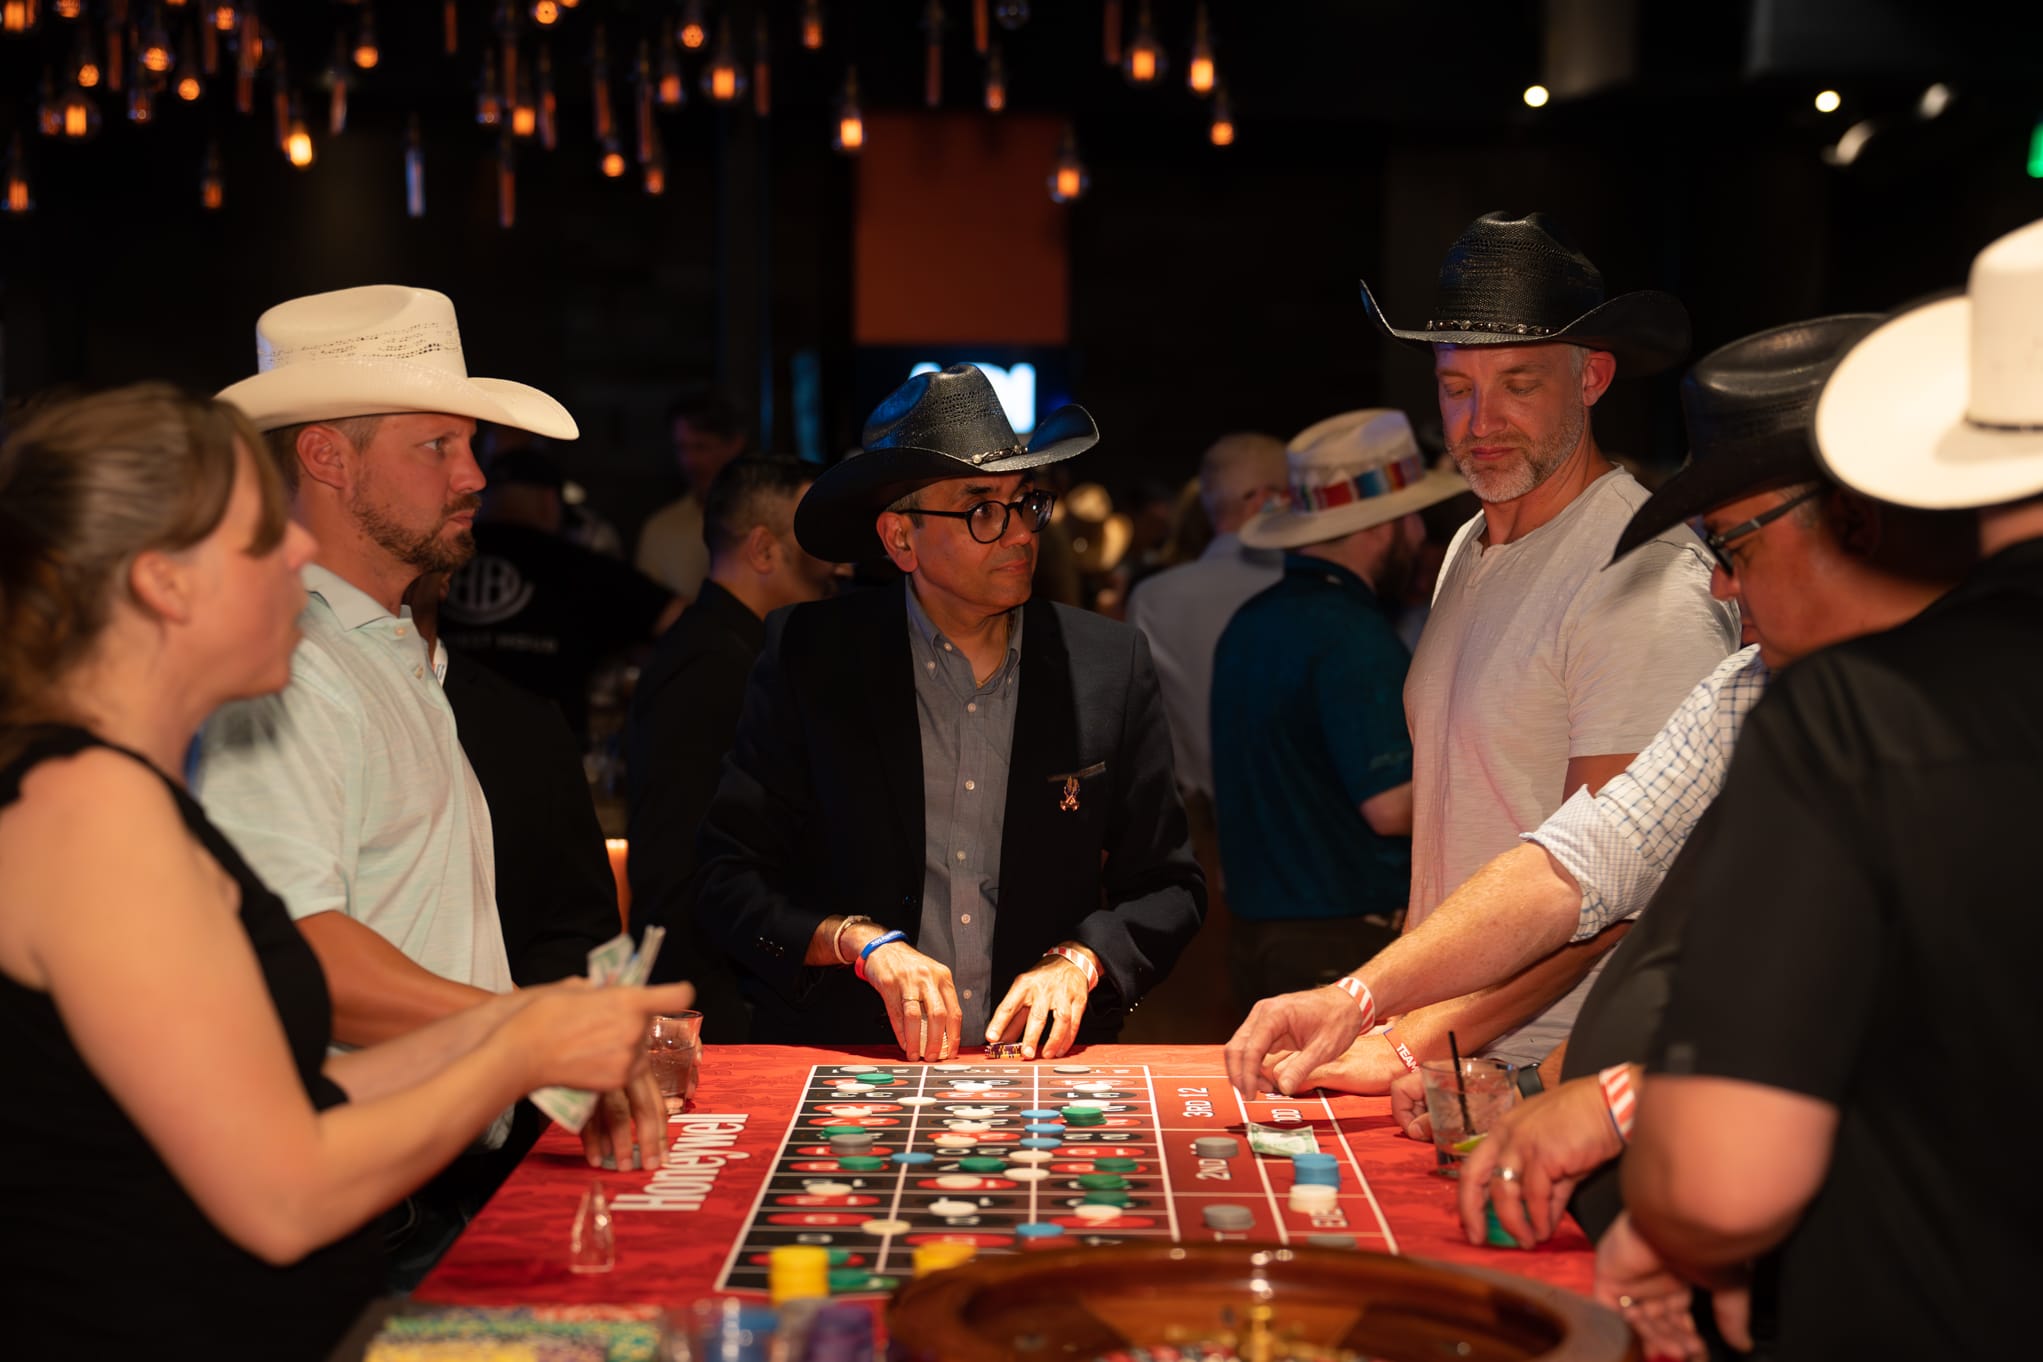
[{"x": 1069, "y": 803}]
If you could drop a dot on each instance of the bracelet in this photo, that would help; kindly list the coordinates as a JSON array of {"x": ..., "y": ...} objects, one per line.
[
  {"x": 887, "y": 939},
  {"x": 1364, "y": 999},
  {"x": 1618, "y": 1098},
  {"x": 1076, "y": 957},
  {"x": 1403, "y": 1053},
  {"x": 837, "y": 938}
]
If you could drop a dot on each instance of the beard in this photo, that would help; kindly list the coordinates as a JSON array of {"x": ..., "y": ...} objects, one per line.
[
  {"x": 1533, "y": 465},
  {"x": 423, "y": 550},
  {"x": 1394, "y": 578}
]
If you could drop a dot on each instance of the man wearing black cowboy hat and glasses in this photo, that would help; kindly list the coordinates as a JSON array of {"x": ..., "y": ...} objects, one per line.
[
  {"x": 1539, "y": 673},
  {"x": 948, "y": 796}
]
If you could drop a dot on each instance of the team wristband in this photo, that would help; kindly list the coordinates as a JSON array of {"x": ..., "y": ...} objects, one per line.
[
  {"x": 1619, "y": 1099},
  {"x": 885, "y": 939},
  {"x": 1403, "y": 1053},
  {"x": 1085, "y": 966},
  {"x": 1364, "y": 999},
  {"x": 837, "y": 938}
]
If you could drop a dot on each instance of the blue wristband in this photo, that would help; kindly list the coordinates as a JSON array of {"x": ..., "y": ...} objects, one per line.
[{"x": 886, "y": 938}]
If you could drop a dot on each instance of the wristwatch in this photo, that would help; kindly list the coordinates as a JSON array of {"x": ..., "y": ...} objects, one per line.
[{"x": 1529, "y": 1082}]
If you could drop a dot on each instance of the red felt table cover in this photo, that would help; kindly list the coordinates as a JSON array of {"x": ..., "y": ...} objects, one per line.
[{"x": 516, "y": 1251}]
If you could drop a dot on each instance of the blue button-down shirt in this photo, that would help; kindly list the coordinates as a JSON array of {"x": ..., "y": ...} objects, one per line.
[{"x": 967, "y": 731}]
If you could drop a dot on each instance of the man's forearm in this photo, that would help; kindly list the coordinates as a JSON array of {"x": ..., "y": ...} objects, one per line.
[
  {"x": 378, "y": 992},
  {"x": 1520, "y": 908},
  {"x": 1481, "y": 1017}
]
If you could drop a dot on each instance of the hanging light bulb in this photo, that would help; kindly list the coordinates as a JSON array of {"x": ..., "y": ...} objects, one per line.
[
  {"x": 1110, "y": 32},
  {"x": 298, "y": 140},
  {"x": 1199, "y": 75},
  {"x": 723, "y": 80},
  {"x": 812, "y": 25},
  {"x": 367, "y": 53},
  {"x": 672, "y": 90},
  {"x": 655, "y": 182},
  {"x": 1068, "y": 180},
  {"x": 17, "y": 16},
  {"x": 68, "y": 9},
  {"x": 642, "y": 103},
  {"x": 141, "y": 100},
  {"x": 996, "y": 80},
  {"x": 156, "y": 54},
  {"x": 549, "y": 103},
  {"x": 613, "y": 160},
  {"x": 450, "y": 28},
  {"x": 414, "y": 170},
  {"x": 17, "y": 199},
  {"x": 212, "y": 187},
  {"x": 546, "y": 13},
  {"x": 762, "y": 67},
  {"x": 85, "y": 68},
  {"x": 336, "y": 80},
  {"x": 694, "y": 33},
  {"x": 524, "y": 108},
  {"x": 932, "y": 54},
  {"x": 507, "y": 184},
  {"x": 81, "y": 115},
  {"x": 226, "y": 18},
  {"x": 1222, "y": 131},
  {"x": 189, "y": 83},
  {"x": 849, "y": 137},
  {"x": 489, "y": 100},
  {"x": 1144, "y": 62},
  {"x": 599, "y": 81}
]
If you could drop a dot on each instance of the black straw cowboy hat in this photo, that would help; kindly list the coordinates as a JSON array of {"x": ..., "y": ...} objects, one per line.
[
  {"x": 1519, "y": 281},
  {"x": 1749, "y": 406},
  {"x": 937, "y": 425}
]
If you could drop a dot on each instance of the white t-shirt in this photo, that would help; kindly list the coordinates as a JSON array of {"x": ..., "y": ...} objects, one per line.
[
  {"x": 671, "y": 549},
  {"x": 1535, "y": 653}
]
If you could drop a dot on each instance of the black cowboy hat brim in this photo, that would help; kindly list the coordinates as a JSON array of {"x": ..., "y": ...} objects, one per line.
[
  {"x": 1703, "y": 485},
  {"x": 1646, "y": 330},
  {"x": 834, "y": 520}
]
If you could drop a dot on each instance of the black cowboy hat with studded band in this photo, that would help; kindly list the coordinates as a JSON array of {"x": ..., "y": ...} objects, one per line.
[
  {"x": 938, "y": 425},
  {"x": 1518, "y": 280}
]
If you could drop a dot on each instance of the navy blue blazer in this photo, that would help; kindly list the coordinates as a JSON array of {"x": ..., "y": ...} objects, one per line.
[{"x": 820, "y": 811}]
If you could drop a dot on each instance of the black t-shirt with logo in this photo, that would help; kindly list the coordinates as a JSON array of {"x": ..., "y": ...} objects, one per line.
[{"x": 543, "y": 612}]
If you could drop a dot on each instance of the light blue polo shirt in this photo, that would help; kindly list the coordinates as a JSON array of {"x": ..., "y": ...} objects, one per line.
[{"x": 348, "y": 790}]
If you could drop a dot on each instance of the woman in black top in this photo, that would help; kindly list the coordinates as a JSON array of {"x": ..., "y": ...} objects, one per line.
[{"x": 181, "y": 1162}]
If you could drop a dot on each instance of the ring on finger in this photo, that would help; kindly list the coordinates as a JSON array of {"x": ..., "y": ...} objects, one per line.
[
  {"x": 911, "y": 1002},
  {"x": 1505, "y": 1174},
  {"x": 1625, "y": 1302}
]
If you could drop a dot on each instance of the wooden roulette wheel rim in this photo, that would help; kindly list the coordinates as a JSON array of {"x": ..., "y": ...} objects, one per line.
[{"x": 1074, "y": 1305}]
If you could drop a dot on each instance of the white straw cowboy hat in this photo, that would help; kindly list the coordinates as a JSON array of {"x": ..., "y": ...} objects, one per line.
[
  {"x": 1347, "y": 473},
  {"x": 377, "y": 349},
  {"x": 1941, "y": 406}
]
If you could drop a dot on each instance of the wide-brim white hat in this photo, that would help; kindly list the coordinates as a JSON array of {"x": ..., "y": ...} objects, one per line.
[
  {"x": 376, "y": 349},
  {"x": 1347, "y": 473},
  {"x": 1941, "y": 406}
]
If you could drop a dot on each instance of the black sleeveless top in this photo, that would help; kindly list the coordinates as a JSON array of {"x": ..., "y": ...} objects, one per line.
[{"x": 102, "y": 1252}]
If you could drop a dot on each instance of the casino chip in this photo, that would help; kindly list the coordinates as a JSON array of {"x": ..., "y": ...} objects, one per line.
[
  {"x": 1216, "y": 1146},
  {"x": 913, "y": 1156},
  {"x": 1037, "y": 1229},
  {"x": 953, "y": 1208},
  {"x": 1029, "y": 1174},
  {"x": 959, "y": 1182},
  {"x": 1031, "y": 1156},
  {"x": 1073, "y": 1069},
  {"x": 1096, "y": 1211},
  {"x": 828, "y": 1188},
  {"x": 1010, "y": 1049},
  {"x": 1332, "y": 1241},
  {"x": 1228, "y": 1217},
  {"x": 856, "y": 1068},
  {"x": 917, "y": 1101},
  {"x": 886, "y": 1227}
]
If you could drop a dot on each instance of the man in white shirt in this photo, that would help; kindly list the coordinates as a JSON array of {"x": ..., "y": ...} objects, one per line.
[
  {"x": 349, "y": 791},
  {"x": 1183, "y": 609},
  {"x": 1539, "y": 672}
]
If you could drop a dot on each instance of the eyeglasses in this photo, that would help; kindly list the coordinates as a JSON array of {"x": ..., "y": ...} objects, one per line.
[
  {"x": 987, "y": 520},
  {"x": 1719, "y": 544}
]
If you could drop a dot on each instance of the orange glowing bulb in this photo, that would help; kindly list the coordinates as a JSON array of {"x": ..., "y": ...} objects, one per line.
[
  {"x": 367, "y": 55},
  {"x": 693, "y": 36},
  {"x": 613, "y": 164},
  {"x": 723, "y": 83},
  {"x": 156, "y": 58},
  {"x": 851, "y": 133},
  {"x": 1201, "y": 75},
  {"x": 17, "y": 195},
  {"x": 1069, "y": 182},
  {"x": 88, "y": 75},
  {"x": 211, "y": 195},
  {"x": 1142, "y": 65},
  {"x": 189, "y": 89},
  {"x": 298, "y": 145},
  {"x": 524, "y": 120},
  {"x": 656, "y": 179},
  {"x": 77, "y": 120},
  {"x": 670, "y": 88},
  {"x": 546, "y": 13},
  {"x": 225, "y": 18},
  {"x": 1223, "y": 133}
]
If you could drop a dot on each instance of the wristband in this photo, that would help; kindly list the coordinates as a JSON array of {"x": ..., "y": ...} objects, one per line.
[
  {"x": 1411, "y": 1064},
  {"x": 886, "y": 939},
  {"x": 1364, "y": 999},
  {"x": 1618, "y": 1098},
  {"x": 1076, "y": 957},
  {"x": 837, "y": 938}
]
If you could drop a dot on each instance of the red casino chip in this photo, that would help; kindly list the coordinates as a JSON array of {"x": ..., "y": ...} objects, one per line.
[
  {"x": 819, "y": 1218},
  {"x": 855, "y": 1108},
  {"x": 957, "y": 1182},
  {"x": 863, "y": 1121},
  {"x": 960, "y": 1237},
  {"x": 1119, "y": 1222},
  {"x": 824, "y": 1151},
  {"x": 811, "y": 1199}
]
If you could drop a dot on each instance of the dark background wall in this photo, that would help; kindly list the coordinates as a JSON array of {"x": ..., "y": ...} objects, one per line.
[{"x": 1209, "y": 289}]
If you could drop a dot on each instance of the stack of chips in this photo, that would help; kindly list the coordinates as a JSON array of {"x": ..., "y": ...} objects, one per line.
[
  {"x": 795, "y": 1271},
  {"x": 1084, "y": 1116},
  {"x": 1319, "y": 1169},
  {"x": 940, "y": 1255},
  {"x": 1313, "y": 1198}
]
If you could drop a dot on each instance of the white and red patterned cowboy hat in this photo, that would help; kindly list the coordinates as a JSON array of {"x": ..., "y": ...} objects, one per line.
[{"x": 1347, "y": 473}]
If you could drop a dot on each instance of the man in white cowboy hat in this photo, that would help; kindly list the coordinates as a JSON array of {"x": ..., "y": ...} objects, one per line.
[
  {"x": 1877, "y": 833},
  {"x": 949, "y": 813},
  {"x": 1539, "y": 672},
  {"x": 349, "y": 791},
  {"x": 1312, "y": 766}
]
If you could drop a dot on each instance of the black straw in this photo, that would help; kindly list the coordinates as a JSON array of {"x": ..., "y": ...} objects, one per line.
[{"x": 1460, "y": 1086}]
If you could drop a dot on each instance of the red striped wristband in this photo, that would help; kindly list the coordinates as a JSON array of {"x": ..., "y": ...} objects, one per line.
[
  {"x": 1364, "y": 999},
  {"x": 1085, "y": 966},
  {"x": 1619, "y": 1099}
]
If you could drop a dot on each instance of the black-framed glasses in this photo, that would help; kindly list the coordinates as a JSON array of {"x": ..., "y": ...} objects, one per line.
[
  {"x": 987, "y": 520},
  {"x": 1719, "y": 544}
]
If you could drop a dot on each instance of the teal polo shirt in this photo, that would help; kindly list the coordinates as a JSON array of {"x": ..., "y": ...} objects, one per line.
[{"x": 1308, "y": 721}]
